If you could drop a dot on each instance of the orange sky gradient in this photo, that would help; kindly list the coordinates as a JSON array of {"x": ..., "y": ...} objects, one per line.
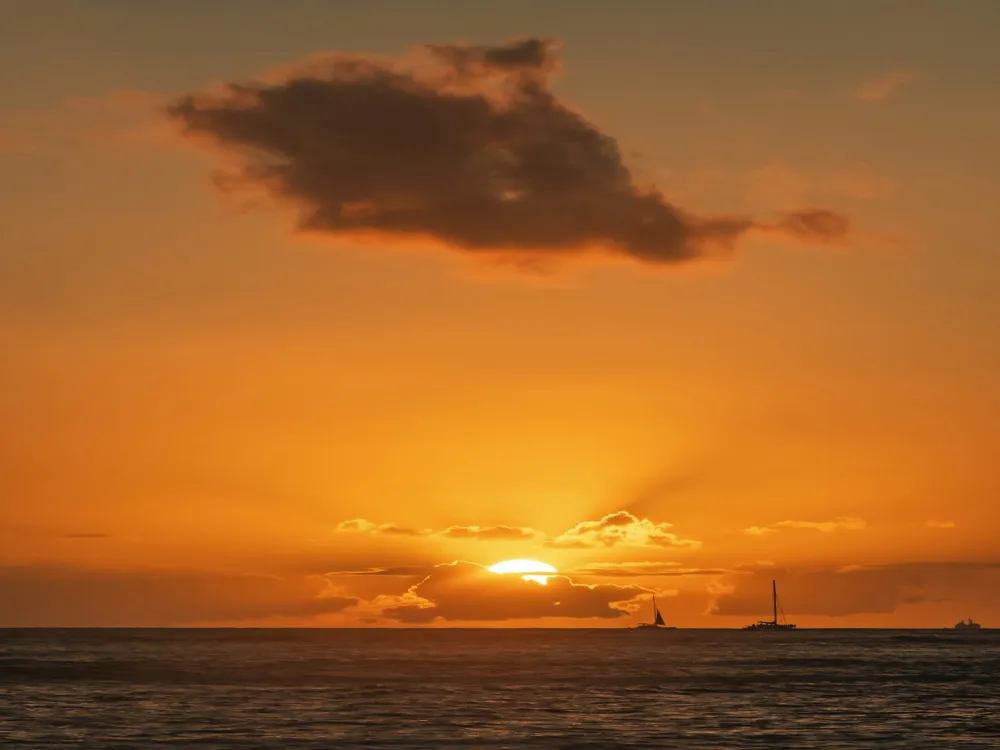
[{"x": 677, "y": 298}]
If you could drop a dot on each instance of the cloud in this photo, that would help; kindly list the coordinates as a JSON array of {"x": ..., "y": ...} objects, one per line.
[
  {"x": 463, "y": 145},
  {"x": 360, "y": 525},
  {"x": 879, "y": 89},
  {"x": 827, "y": 527},
  {"x": 72, "y": 596},
  {"x": 639, "y": 569},
  {"x": 86, "y": 535},
  {"x": 480, "y": 533},
  {"x": 940, "y": 524},
  {"x": 488, "y": 533},
  {"x": 621, "y": 528},
  {"x": 844, "y": 523},
  {"x": 807, "y": 224},
  {"x": 466, "y": 592},
  {"x": 406, "y": 572},
  {"x": 759, "y": 530},
  {"x": 616, "y": 528},
  {"x": 852, "y": 589}
]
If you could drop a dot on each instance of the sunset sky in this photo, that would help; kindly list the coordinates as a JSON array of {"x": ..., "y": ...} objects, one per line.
[{"x": 311, "y": 311}]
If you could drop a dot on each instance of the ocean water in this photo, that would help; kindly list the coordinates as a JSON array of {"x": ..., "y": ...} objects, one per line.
[{"x": 498, "y": 689}]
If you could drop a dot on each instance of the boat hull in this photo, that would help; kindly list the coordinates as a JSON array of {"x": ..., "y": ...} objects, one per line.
[
  {"x": 770, "y": 626},
  {"x": 649, "y": 626}
]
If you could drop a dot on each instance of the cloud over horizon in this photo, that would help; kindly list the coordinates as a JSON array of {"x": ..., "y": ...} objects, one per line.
[
  {"x": 75, "y": 596},
  {"x": 464, "y": 591},
  {"x": 852, "y": 589},
  {"x": 463, "y": 145}
]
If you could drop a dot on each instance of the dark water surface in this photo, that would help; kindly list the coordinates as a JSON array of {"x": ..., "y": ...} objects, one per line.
[{"x": 498, "y": 689}]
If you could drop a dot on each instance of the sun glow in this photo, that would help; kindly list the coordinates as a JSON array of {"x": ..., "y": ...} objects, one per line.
[{"x": 530, "y": 568}]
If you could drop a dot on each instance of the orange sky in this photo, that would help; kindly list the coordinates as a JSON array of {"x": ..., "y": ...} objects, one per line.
[{"x": 197, "y": 396}]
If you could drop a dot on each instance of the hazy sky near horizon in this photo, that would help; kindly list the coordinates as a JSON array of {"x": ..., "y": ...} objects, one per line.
[{"x": 197, "y": 397}]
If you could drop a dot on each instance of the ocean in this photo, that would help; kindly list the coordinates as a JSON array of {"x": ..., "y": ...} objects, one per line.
[{"x": 498, "y": 689}]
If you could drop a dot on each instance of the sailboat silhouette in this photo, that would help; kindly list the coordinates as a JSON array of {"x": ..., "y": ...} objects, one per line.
[
  {"x": 657, "y": 623},
  {"x": 774, "y": 624}
]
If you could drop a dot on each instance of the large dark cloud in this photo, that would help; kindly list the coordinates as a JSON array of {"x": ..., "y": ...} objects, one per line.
[
  {"x": 463, "y": 591},
  {"x": 463, "y": 145}
]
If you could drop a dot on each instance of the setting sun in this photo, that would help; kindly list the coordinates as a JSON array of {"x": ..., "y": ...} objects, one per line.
[
  {"x": 527, "y": 567},
  {"x": 522, "y": 566}
]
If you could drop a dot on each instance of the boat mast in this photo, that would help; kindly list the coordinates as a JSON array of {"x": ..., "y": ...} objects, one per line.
[
  {"x": 654, "y": 610},
  {"x": 774, "y": 600}
]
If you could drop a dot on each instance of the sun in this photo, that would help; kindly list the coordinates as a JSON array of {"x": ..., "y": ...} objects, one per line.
[{"x": 527, "y": 567}]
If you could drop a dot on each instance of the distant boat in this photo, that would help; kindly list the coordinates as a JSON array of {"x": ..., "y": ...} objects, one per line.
[
  {"x": 967, "y": 625},
  {"x": 657, "y": 623},
  {"x": 774, "y": 624}
]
